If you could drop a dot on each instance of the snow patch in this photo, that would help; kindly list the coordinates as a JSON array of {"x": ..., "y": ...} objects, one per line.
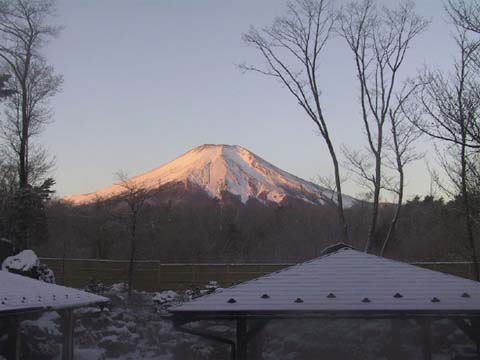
[
  {"x": 46, "y": 323},
  {"x": 164, "y": 297},
  {"x": 89, "y": 354}
]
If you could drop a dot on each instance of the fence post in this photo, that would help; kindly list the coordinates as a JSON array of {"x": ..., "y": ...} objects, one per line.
[
  {"x": 158, "y": 281},
  {"x": 66, "y": 264},
  {"x": 67, "y": 322}
]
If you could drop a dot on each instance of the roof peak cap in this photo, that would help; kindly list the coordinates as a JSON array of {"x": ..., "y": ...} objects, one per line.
[{"x": 336, "y": 247}]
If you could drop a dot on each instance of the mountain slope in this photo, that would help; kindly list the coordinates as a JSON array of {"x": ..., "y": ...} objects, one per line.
[{"x": 219, "y": 168}]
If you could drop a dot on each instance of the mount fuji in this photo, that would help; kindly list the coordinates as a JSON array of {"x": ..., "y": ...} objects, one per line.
[{"x": 216, "y": 169}]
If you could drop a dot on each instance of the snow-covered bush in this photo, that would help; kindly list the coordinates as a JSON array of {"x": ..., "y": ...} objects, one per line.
[
  {"x": 46, "y": 274},
  {"x": 24, "y": 261},
  {"x": 95, "y": 286},
  {"x": 135, "y": 328},
  {"x": 165, "y": 297},
  {"x": 42, "y": 336},
  {"x": 27, "y": 263},
  {"x": 212, "y": 286}
]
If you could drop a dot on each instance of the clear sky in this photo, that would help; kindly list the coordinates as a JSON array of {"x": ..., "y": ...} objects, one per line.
[{"x": 147, "y": 80}]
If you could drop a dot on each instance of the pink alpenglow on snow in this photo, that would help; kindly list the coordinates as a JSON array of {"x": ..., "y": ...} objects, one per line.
[{"x": 229, "y": 168}]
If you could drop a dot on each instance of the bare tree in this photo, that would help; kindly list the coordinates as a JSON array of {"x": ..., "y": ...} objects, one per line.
[
  {"x": 465, "y": 14},
  {"x": 292, "y": 49},
  {"x": 360, "y": 164},
  {"x": 134, "y": 196},
  {"x": 329, "y": 183},
  {"x": 24, "y": 29},
  {"x": 473, "y": 185},
  {"x": 399, "y": 151},
  {"x": 403, "y": 135},
  {"x": 451, "y": 105},
  {"x": 379, "y": 40},
  {"x": 102, "y": 215}
]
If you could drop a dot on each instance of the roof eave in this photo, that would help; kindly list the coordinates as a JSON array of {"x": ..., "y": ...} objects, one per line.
[{"x": 330, "y": 314}]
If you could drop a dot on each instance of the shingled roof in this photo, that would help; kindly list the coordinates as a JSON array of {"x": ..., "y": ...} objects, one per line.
[
  {"x": 343, "y": 281},
  {"x": 22, "y": 294}
]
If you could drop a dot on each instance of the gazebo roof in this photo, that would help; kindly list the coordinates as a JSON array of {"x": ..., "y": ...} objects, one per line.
[
  {"x": 342, "y": 282},
  {"x": 22, "y": 294}
]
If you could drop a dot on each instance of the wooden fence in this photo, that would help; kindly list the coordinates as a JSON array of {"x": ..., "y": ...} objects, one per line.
[{"x": 155, "y": 276}]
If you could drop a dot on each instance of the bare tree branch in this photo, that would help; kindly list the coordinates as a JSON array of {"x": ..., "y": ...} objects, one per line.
[
  {"x": 400, "y": 149},
  {"x": 134, "y": 195},
  {"x": 451, "y": 109},
  {"x": 291, "y": 49},
  {"x": 379, "y": 40},
  {"x": 24, "y": 29}
]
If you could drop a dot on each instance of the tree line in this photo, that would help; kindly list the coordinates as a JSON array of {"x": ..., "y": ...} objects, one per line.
[{"x": 200, "y": 229}]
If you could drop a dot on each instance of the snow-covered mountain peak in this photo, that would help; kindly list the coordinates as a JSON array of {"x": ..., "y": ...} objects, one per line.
[{"x": 223, "y": 168}]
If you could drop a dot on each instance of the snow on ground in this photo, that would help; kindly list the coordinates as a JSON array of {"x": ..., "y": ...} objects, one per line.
[{"x": 89, "y": 354}]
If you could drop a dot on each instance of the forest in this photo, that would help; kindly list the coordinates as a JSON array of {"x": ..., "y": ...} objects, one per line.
[{"x": 208, "y": 230}]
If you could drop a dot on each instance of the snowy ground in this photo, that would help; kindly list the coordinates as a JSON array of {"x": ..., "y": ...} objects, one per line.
[{"x": 137, "y": 329}]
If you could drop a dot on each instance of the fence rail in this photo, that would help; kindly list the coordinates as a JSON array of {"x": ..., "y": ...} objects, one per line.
[{"x": 155, "y": 276}]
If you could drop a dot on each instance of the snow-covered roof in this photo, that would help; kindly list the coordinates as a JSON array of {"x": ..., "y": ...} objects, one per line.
[
  {"x": 344, "y": 281},
  {"x": 19, "y": 293}
]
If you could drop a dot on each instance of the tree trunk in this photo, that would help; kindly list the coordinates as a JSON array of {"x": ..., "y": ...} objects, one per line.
[
  {"x": 132, "y": 255},
  {"x": 376, "y": 199},
  {"x": 467, "y": 212},
  {"x": 471, "y": 240},
  {"x": 340, "y": 210},
  {"x": 25, "y": 121},
  {"x": 338, "y": 185},
  {"x": 393, "y": 223}
]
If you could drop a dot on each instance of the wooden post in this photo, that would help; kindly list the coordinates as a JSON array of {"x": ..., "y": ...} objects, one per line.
[
  {"x": 475, "y": 326},
  {"x": 241, "y": 344},
  {"x": 13, "y": 346},
  {"x": 255, "y": 346},
  {"x": 159, "y": 277},
  {"x": 254, "y": 338},
  {"x": 233, "y": 352},
  {"x": 471, "y": 328},
  {"x": 425, "y": 325},
  {"x": 396, "y": 344},
  {"x": 67, "y": 320}
]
